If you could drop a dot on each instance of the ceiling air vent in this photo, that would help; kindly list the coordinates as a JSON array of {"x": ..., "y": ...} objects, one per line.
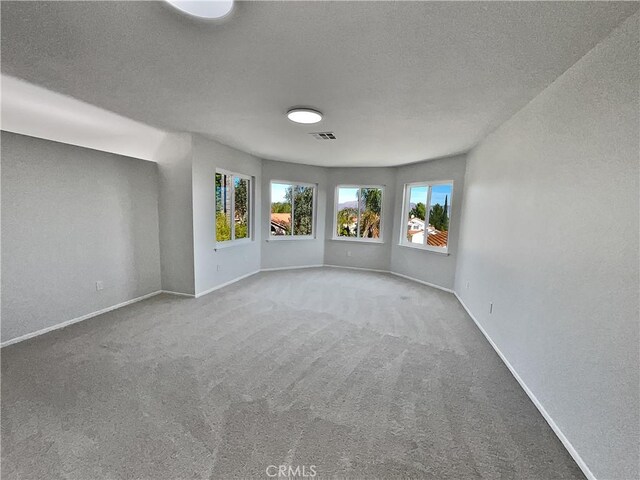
[{"x": 324, "y": 136}]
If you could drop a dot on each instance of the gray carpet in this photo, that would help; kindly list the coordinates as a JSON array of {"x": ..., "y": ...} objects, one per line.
[{"x": 358, "y": 374}]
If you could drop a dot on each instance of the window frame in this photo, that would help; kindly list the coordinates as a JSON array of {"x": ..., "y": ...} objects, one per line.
[
  {"x": 250, "y": 233},
  {"x": 335, "y": 235},
  {"x": 292, "y": 236},
  {"x": 405, "y": 213}
]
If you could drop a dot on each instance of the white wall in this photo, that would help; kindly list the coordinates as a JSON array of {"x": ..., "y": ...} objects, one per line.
[
  {"x": 31, "y": 110},
  {"x": 293, "y": 252},
  {"x": 431, "y": 267},
  {"x": 175, "y": 208},
  {"x": 70, "y": 217},
  {"x": 363, "y": 254},
  {"x": 550, "y": 236},
  {"x": 34, "y": 111},
  {"x": 236, "y": 260}
]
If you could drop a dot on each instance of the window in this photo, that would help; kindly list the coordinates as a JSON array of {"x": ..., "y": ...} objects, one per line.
[
  {"x": 233, "y": 207},
  {"x": 358, "y": 213},
  {"x": 427, "y": 210},
  {"x": 292, "y": 206}
]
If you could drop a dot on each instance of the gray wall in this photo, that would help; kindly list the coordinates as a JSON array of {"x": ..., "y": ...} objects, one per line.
[
  {"x": 363, "y": 254},
  {"x": 214, "y": 267},
  {"x": 432, "y": 267},
  {"x": 175, "y": 209},
  {"x": 550, "y": 236},
  {"x": 293, "y": 252},
  {"x": 70, "y": 217}
]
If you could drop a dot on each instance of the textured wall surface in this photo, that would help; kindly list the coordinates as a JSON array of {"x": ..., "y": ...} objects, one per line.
[
  {"x": 431, "y": 267},
  {"x": 71, "y": 217},
  {"x": 215, "y": 266},
  {"x": 550, "y": 236},
  {"x": 175, "y": 211},
  {"x": 293, "y": 252},
  {"x": 362, "y": 254}
]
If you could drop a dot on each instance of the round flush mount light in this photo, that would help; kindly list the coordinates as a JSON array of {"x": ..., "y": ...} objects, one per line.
[
  {"x": 204, "y": 9},
  {"x": 304, "y": 115}
]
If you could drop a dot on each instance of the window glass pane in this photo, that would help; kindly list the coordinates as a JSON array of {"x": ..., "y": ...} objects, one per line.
[
  {"x": 223, "y": 207},
  {"x": 370, "y": 210},
  {"x": 241, "y": 205},
  {"x": 280, "y": 209},
  {"x": 439, "y": 214},
  {"x": 302, "y": 210},
  {"x": 347, "y": 216},
  {"x": 417, "y": 212}
]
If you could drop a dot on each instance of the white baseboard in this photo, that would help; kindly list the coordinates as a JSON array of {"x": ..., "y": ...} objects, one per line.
[
  {"x": 357, "y": 268},
  {"x": 277, "y": 269},
  {"x": 432, "y": 285},
  {"x": 58, "y": 326},
  {"x": 180, "y": 294},
  {"x": 565, "y": 441},
  {"x": 222, "y": 285}
]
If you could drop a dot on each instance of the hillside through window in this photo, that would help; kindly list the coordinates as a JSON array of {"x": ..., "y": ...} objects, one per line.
[{"x": 358, "y": 213}]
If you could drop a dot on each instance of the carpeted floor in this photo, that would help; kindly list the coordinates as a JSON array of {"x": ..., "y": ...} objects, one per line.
[{"x": 359, "y": 374}]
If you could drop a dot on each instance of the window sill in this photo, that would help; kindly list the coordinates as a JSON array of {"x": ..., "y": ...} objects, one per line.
[
  {"x": 424, "y": 248},
  {"x": 233, "y": 243},
  {"x": 288, "y": 238},
  {"x": 358, "y": 240}
]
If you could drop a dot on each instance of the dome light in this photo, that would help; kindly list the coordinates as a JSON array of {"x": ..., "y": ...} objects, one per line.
[
  {"x": 304, "y": 115},
  {"x": 205, "y": 9}
]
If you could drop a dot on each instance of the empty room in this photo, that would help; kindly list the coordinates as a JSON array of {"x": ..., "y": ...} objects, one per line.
[{"x": 350, "y": 240}]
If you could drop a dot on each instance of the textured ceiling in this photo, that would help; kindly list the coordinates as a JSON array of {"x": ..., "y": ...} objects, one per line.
[{"x": 397, "y": 82}]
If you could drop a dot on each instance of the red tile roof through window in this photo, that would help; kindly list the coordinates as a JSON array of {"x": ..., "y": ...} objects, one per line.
[
  {"x": 283, "y": 219},
  {"x": 438, "y": 239}
]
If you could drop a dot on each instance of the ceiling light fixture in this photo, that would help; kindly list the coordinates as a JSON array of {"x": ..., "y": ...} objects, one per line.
[
  {"x": 304, "y": 115},
  {"x": 205, "y": 9}
]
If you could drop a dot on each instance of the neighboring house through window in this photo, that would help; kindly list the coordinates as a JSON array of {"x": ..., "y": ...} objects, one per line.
[
  {"x": 427, "y": 214},
  {"x": 292, "y": 210}
]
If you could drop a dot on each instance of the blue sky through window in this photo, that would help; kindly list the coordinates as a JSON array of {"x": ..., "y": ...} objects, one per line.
[
  {"x": 418, "y": 195},
  {"x": 278, "y": 192},
  {"x": 439, "y": 192},
  {"x": 347, "y": 195}
]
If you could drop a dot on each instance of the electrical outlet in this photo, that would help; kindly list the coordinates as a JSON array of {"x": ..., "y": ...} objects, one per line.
[
  {"x": 490, "y": 307},
  {"x": 348, "y": 253},
  {"x": 218, "y": 267},
  {"x": 99, "y": 285},
  {"x": 467, "y": 284}
]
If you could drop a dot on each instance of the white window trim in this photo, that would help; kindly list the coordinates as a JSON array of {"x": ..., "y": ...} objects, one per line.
[
  {"x": 250, "y": 237},
  {"x": 280, "y": 238},
  {"x": 405, "y": 213},
  {"x": 335, "y": 235}
]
